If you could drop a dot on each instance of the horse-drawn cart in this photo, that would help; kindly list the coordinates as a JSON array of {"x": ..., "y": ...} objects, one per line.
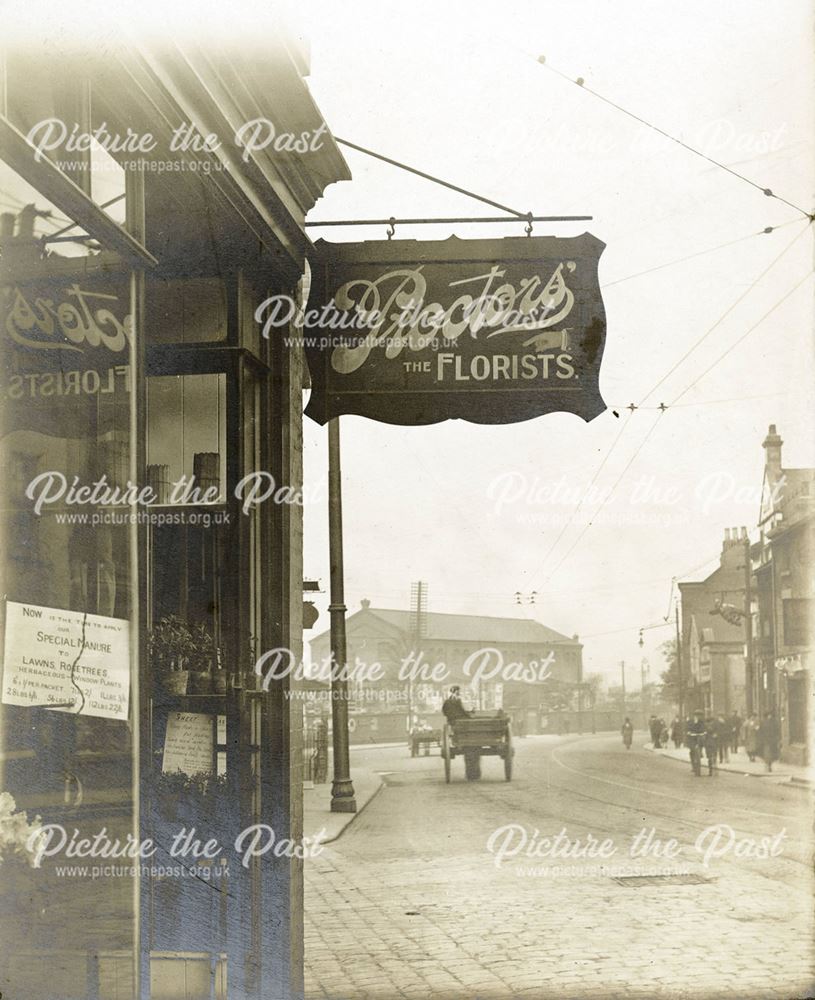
[
  {"x": 424, "y": 738},
  {"x": 479, "y": 734}
]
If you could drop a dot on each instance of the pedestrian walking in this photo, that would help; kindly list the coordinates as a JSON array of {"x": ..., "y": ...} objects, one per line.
[
  {"x": 735, "y": 730},
  {"x": 769, "y": 739},
  {"x": 711, "y": 742},
  {"x": 628, "y": 733},
  {"x": 653, "y": 729},
  {"x": 723, "y": 738},
  {"x": 695, "y": 740},
  {"x": 677, "y": 733},
  {"x": 749, "y": 735}
]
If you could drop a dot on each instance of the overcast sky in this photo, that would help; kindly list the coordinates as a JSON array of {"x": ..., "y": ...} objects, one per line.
[{"x": 457, "y": 90}]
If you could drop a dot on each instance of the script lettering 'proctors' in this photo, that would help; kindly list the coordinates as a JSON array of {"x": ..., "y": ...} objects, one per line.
[{"x": 492, "y": 331}]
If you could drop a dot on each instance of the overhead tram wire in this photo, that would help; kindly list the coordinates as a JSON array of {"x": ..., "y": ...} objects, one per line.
[
  {"x": 580, "y": 82},
  {"x": 594, "y": 478},
  {"x": 744, "y": 336},
  {"x": 701, "y": 402},
  {"x": 634, "y": 407},
  {"x": 687, "y": 389},
  {"x": 495, "y": 595},
  {"x": 610, "y": 493},
  {"x": 724, "y": 315},
  {"x": 716, "y": 402},
  {"x": 699, "y": 253}
]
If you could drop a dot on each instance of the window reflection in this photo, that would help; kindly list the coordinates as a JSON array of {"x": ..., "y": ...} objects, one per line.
[{"x": 186, "y": 438}]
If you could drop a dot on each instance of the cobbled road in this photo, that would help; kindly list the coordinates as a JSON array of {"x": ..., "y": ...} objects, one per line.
[{"x": 411, "y": 902}]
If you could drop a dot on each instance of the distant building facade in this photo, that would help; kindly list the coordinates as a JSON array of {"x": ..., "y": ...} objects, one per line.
[
  {"x": 516, "y": 664},
  {"x": 748, "y": 628},
  {"x": 714, "y": 631},
  {"x": 785, "y": 598}
]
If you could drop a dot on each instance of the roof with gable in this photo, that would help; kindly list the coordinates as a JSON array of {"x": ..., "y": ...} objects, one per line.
[{"x": 467, "y": 628}]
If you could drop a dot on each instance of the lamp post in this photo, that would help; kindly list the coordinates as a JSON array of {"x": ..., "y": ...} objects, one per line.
[
  {"x": 342, "y": 789},
  {"x": 679, "y": 671},
  {"x": 622, "y": 678}
]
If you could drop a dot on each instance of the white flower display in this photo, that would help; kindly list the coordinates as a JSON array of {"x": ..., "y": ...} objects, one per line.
[{"x": 16, "y": 833}]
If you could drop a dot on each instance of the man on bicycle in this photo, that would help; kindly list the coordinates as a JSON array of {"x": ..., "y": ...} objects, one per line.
[{"x": 695, "y": 740}]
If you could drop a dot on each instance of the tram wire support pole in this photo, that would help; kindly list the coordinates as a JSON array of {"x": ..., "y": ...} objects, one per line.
[{"x": 679, "y": 670}]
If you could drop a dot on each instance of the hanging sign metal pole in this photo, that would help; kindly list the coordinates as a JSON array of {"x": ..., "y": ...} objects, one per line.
[{"x": 342, "y": 789}]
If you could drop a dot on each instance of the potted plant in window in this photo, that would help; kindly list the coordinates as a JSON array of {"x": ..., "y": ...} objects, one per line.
[
  {"x": 169, "y": 647},
  {"x": 184, "y": 798},
  {"x": 202, "y": 654},
  {"x": 170, "y": 794}
]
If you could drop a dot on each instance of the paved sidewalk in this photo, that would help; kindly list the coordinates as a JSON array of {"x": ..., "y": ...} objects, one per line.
[
  {"x": 740, "y": 763},
  {"x": 317, "y": 813}
]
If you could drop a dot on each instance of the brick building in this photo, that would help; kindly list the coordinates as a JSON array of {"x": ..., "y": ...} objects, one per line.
[
  {"x": 784, "y": 611},
  {"x": 516, "y": 664}
]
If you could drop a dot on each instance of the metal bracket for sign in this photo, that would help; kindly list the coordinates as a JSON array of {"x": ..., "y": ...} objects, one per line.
[
  {"x": 528, "y": 218},
  {"x": 393, "y": 222}
]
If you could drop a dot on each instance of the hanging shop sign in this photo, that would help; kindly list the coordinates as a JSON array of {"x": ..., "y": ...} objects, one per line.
[
  {"x": 491, "y": 331},
  {"x": 78, "y": 661}
]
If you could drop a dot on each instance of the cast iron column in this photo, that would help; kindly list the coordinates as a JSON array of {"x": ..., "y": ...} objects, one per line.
[{"x": 342, "y": 789}]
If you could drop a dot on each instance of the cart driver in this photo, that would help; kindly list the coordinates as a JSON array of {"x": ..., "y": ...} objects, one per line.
[{"x": 452, "y": 708}]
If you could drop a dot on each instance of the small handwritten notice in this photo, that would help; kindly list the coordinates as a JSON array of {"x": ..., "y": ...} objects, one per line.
[
  {"x": 188, "y": 745},
  {"x": 78, "y": 661}
]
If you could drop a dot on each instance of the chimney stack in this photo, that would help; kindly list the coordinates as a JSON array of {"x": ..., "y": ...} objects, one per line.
[
  {"x": 733, "y": 537},
  {"x": 772, "y": 450}
]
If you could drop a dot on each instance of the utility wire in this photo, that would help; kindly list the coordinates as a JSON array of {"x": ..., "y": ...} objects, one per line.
[
  {"x": 702, "y": 402},
  {"x": 653, "y": 426},
  {"x": 746, "y": 334},
  {"x": 617, "y": 482},
  {"x": 594, "y": 478},
  {"x": 699, "y": 253},
  {"x": 662, "y": 408},
  {"x": 579, "y": 82},
  {"x": 724, "y": 315},
  {"x": 714, "y": 402}
]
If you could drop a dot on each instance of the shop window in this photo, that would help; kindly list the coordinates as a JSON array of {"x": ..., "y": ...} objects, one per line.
[{"x": 186, "y": 438}]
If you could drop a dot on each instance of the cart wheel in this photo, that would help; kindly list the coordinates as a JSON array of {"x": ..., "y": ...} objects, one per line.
[
  {"x": 509, "y": 752},
  {"x": 472, "y": 765},
  {"x": 445, "y": 752}
]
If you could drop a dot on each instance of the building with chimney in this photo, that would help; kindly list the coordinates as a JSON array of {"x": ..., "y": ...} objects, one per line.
[
  {"x": 784, "y": 609},
  {"x": 714, "y": 629}
]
